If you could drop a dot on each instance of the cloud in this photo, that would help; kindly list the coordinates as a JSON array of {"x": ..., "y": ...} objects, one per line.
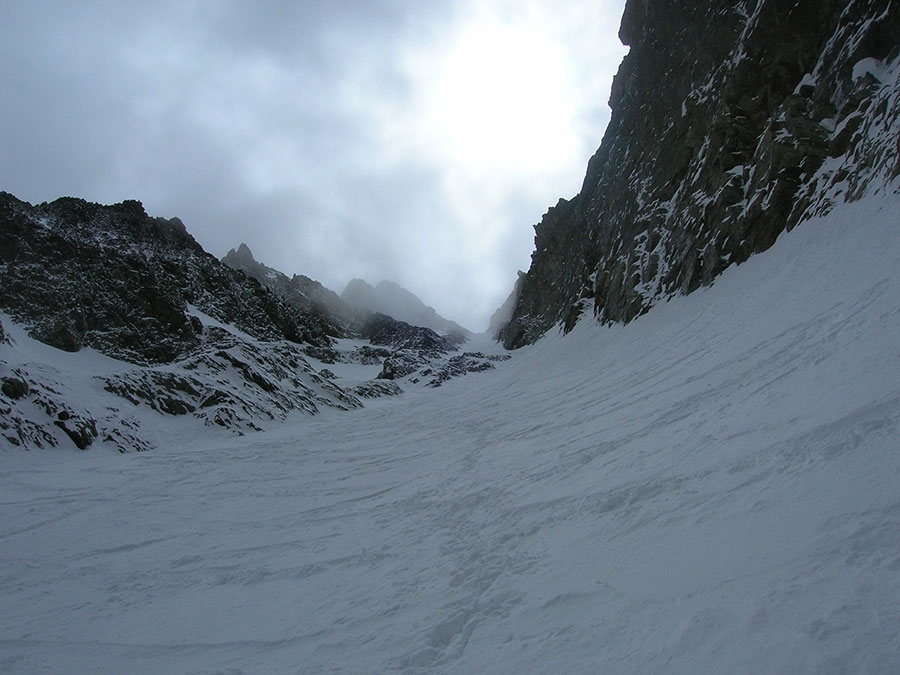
[{"x": 379, "y": 138}]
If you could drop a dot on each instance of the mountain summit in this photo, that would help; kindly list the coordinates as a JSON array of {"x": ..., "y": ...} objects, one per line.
[{"x": 307, "y": 295}]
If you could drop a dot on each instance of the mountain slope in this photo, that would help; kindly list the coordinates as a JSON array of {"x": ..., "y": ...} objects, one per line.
[
  {"x": 113, "y": 278},
  {"x": 731, "y": 122},
  {"x": 159, "y": 330},
  {"x": 715, "y": 491}
]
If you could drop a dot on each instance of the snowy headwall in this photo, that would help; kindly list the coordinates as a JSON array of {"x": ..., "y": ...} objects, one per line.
[{"x": 731, "y": 123}]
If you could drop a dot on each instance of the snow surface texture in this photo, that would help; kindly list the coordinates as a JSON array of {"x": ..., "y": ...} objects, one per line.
[{"x": 712, "y": 488}]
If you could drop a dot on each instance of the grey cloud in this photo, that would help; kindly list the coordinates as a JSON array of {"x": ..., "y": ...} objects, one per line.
[{"x": 257, "y": 122}]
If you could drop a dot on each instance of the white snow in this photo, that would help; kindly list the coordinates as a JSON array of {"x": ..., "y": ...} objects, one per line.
[
  {"x": 208, "y": 321},
  {"x": 880, "y": 71},
  {"x": 712, "y": 488},
  {"x": 808, "y": 80}
]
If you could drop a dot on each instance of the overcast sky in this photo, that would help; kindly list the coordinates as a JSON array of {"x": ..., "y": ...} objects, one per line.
[{"x": 416, "y": 141}]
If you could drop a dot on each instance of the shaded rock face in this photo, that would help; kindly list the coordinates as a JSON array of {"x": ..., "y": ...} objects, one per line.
[
  {"x": 412, "y": 347},
  {"x": 461, "y": 364},
  {"x": 504, "y": 313},
  {"x": 417, "y": 354},
  {"x": 731, "y": 122},
  {"x": 229, "y": 382},
  {"x": 113, "y": 278},
  {"x": 35, "y": 413}
]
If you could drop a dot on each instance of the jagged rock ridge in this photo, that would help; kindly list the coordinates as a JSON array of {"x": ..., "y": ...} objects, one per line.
[
  {"x": 731, "y": 122},
  {"x": 349, "y": 312},
  {"x": 417, "y": 348},
  {"x": 113, "y": 278}
]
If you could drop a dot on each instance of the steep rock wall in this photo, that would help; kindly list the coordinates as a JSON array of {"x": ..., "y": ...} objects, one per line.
[{"x": 731, "y": 122}]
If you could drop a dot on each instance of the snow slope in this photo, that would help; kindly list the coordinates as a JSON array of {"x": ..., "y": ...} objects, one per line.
[{"x": 712, "y": 488}]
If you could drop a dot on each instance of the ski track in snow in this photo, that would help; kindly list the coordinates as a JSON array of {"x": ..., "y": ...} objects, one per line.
[{"x": 713, "y": 488}]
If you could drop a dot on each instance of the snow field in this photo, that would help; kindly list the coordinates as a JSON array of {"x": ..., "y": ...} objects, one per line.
[{"x": 713, "y": 488}]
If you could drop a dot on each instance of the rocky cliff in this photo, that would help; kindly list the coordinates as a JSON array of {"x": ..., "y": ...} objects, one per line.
[
  {"x": 187, "y": 336},
  {"x": 731, "y": 122}
]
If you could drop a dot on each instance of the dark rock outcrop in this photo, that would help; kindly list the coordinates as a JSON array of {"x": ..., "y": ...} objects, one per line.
[
  {"x": 233, "y": 384},
  {"x": 377, "y": 389},
  {"x": 113, "y": 278},
  {"x": 14, "y": 388},
  {"x": 36, "y": 412},
  {"x": 228, "y": 382},
  {"x": 412, "y": 347},
  {"x": 461, "y": 364},
  {"x": 731, "y": 122}
]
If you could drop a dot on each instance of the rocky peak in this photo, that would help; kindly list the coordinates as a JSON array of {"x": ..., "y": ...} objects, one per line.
[
  {"x": 308, "y": 296},
  {"x": 242, "y": 256},
  {"x": 359, "y": 295}
]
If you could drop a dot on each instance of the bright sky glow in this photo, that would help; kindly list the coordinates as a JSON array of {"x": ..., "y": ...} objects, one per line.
[{"x": 496, "y": 100}]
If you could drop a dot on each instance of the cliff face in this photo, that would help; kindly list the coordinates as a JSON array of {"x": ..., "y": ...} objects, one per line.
[{"x": 731, "y": 122}]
